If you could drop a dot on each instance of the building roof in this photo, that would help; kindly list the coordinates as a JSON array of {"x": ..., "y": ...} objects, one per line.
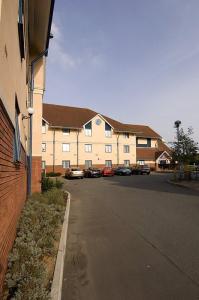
[
  {"x": 76, "y": 117},
  {"x": 144, "y": 131},
  {"x": 146, "y": 153}
]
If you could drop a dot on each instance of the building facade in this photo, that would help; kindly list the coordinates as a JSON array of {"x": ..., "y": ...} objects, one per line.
[
  {"x": 24, "y": 32},
  {"x": 81, "y": 137}
]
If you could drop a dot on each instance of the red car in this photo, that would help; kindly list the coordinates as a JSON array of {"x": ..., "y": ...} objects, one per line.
[{"x": 107, "y": 171}]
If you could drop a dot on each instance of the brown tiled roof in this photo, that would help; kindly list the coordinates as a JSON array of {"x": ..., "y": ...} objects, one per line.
[
  {"x": 163, "y": 147},
  {"x": 143, "y": 131},
  {"x": 152, "y": 153},
  {"x": 66, "y": 116},
  {"x": 146, "y": 153},
  {"x": 75, "y": 117}
]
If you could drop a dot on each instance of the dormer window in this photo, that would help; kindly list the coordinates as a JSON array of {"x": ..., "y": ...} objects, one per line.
[
  {"x": 66, "y": 131},
  {"x": 126, "y": 135},
  {"x": 88, "y": 129},
  {"x": 43, "y": 127},
  {"x": 108, "y": 131}
]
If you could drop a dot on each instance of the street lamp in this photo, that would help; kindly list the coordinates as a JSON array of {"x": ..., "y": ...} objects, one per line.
[{"x": 177, "y": 126}]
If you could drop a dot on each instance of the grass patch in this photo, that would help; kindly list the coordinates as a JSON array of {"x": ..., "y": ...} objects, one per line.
[{"x": 30, "y": 261}]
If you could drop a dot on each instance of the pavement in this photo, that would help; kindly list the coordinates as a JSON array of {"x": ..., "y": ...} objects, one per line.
[{"x": 131, "y": 238}]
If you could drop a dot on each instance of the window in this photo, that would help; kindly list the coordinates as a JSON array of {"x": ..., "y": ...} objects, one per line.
[
  {"x": 88, "y": 164},
  {"x": 143, "y": 142},
  {"x": 108, "y": 148},
  {"x": 43, "y": 127},
  {"x": 126, "y": 135},
  {"x": 43, "y": 164},
  {"x": 127, "y": 163},
  {"x": 88, "y": 148},
  {"x": 108, "y": 163},
  {"x": 43, "y": 147},
  {"x": 66, "y": 131},
  {"x": 108, "y": 132},
  {"x": 65, "y": 147},
  {"x": 126, "y": 149},
  {"x": 21, "y": 28},
  {"x": 17, "y": 141},
  {"x": 88, "y": 129},
  {"x": 141, "y": 162},
  {"x": 65, "y": 164}
]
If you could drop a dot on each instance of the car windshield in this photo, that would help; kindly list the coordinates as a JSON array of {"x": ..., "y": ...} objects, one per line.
[{"x": 75, "y": 169}]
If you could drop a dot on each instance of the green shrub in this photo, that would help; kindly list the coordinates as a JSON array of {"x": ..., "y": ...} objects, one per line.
[
  {"x": 46, "y": 184},
  {"x": 58, "y": 184},
  {"x": 53, "y": 174},
  {"x": 36, "y": 235}
]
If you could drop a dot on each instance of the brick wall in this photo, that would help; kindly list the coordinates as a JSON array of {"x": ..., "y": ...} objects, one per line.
[
  {"x": 13, "y": 190},
  {"x": 36, "y": 174}
]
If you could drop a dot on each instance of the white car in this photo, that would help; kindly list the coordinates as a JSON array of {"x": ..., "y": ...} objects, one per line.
[{"x": 74, "y": 173}]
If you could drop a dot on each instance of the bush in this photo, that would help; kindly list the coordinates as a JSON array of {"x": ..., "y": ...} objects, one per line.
[
  {"x": 53, "y": 174},
  {"x": 36, "y": 235},
  {"x": 47, "y": 184}
]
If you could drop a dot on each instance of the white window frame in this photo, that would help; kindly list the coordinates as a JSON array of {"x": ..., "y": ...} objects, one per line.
[
  {"x": 108, "y": 148},
  {"x": 66, "y": 131},
  {"x": 88, "y": 132},
  {"x": 64, "y": 162},
  {"x": 43, "y": 164},
  {"x": 88, "y": 147},
  {"x": 89, "y": 165},
  {"x": 141, "y": 162},
  {"x": 65, "y": 147},
  {"x": 108, "y": 163},
  {"x": 127, "y": 163},
  {"x": 108, "y": 133},
  {"x": 43, "y": 147},
  {"x": 43, "y": 129},
  {"x": 125, "y": 149}
]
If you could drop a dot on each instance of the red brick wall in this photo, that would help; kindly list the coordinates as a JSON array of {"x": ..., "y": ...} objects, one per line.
[
  {"x": 36, "y": 174},
  {"x": 13, "y": 190}
]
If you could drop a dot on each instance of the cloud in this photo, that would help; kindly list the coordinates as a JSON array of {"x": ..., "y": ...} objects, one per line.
[
  {"x": 89, "y": 56},
  {"x": 58, "y": 54}
]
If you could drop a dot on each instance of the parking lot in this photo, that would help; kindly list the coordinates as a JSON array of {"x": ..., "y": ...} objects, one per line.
[{"x": 132, "y": 237}]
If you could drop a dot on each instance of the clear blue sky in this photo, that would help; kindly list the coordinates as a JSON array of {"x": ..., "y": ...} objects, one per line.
[{"x": 134, "y": 60}]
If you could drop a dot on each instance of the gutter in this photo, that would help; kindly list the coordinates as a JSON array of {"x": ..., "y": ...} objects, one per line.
[{"x": 50, "y": 24}]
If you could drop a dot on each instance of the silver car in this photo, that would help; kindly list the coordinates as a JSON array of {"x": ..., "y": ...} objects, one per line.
[{"x": 74, "y": 173}]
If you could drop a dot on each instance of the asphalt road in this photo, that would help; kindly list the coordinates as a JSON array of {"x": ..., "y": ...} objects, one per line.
[{"x": 132, "y": 238}]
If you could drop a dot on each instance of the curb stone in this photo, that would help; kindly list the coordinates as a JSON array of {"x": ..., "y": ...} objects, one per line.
[
  {"x": 181, "y": 185},
  {"x": 56, "y": 289}
]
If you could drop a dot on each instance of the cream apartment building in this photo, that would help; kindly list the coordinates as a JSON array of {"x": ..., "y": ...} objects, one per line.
[
  {"x": 81, "y": 137},
  {"x": 24, "y": 38}
]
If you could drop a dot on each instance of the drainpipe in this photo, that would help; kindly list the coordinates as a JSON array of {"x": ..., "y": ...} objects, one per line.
[
  {"x": 118, "y": 150},
  {"x": 54, "y": 151},
  {"x": 31, "y": 91},
  {"x": 78, "y": 148}
]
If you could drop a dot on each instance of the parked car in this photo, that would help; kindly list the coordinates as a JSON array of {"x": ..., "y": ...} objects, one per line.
[
  {"x": 123, "y": 171},
  {"x": 108, "y": 171},
  {"x": 74, "y": 173},
  {"x": 140, "y": 170},
  {"x": 92, "y": 172}
]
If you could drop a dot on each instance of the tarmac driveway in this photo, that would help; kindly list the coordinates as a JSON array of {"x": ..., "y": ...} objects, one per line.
[{"x": 132, "y": 238}]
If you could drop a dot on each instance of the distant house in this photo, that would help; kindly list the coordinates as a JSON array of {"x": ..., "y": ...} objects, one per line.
[
  {"x": 24, "y": 36},
  {"x": 73, "y": 136}
]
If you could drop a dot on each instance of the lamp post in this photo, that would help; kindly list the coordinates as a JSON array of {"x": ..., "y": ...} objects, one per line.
[{"x": 177, "y": 126}]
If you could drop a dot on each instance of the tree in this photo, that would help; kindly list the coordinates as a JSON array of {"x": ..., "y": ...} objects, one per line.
[{"x": 185, "y": 149}]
